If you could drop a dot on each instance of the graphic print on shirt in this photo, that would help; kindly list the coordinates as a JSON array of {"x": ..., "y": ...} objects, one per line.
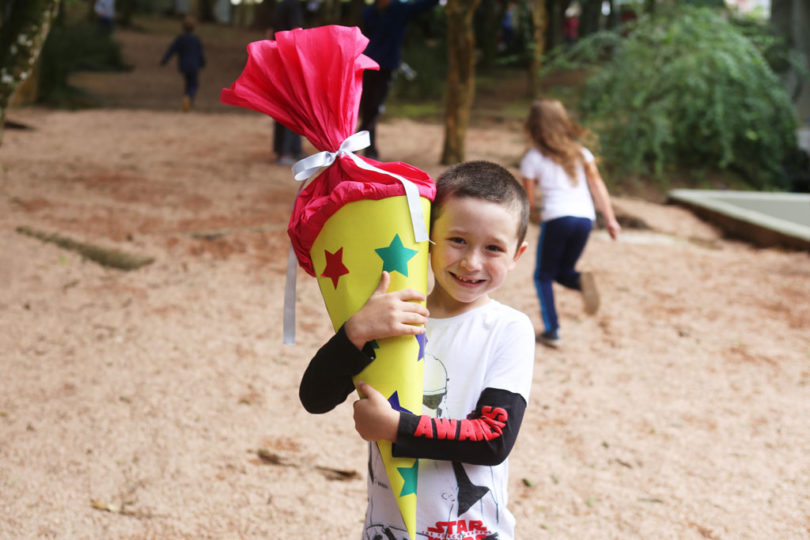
[
  {"x": 434, "y": 391},
  {"x": 459, "y": 493}
]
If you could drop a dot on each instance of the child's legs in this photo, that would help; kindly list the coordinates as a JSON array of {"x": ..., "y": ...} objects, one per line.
[
  {"x": 549, "y": 247},
  {"x": 577, "y": 231},
  {"x": 192, "y": 83}
]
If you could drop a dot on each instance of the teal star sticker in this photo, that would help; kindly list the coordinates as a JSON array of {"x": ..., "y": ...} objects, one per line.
[
  {"x": 396, "y": 256},
  {"x": 409, "y": 474}
]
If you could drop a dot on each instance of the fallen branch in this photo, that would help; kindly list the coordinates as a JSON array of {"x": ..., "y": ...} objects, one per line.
[{"x": 111, "y": 258}]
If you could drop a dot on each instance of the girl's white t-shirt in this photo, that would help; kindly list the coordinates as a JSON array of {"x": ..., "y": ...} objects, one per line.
[
  {"x": 560, "y": 196},
  {"x": 491, "y": 346}
]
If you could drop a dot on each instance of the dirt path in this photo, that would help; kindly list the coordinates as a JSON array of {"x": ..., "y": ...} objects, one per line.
[{"x": 134, "y": 404}]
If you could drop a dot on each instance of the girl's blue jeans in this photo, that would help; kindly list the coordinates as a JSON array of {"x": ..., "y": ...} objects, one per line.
[{"x": 560, "y": 245}]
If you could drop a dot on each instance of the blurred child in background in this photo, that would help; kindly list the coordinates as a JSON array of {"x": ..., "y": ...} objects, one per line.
[
  {"x": 564, "y": 174},
  {"x": 190, "y": 60}
]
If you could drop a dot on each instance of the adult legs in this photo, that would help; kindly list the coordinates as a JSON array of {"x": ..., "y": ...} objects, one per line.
[{"x": 375, "y": 89}]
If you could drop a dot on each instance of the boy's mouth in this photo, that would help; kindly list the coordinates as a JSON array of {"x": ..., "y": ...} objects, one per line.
[{"x": 466, "y": 280}]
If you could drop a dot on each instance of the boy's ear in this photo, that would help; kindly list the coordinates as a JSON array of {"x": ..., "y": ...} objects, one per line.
[{"x": 519, "y": 253}]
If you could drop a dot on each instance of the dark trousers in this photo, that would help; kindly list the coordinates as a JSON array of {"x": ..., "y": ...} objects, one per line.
[
  {"x": 192, "y": 79},
  {"x": 286, "y": 142},
  {"x": 561, "y": 242},
  {"x": 375, "y": 89}
]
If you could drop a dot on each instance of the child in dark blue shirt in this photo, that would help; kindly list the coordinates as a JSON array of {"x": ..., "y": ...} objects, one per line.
[{"x": 190, "y": 59}]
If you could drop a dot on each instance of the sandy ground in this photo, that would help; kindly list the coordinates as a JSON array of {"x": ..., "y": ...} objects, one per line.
[{"x": 137, "y": 404}]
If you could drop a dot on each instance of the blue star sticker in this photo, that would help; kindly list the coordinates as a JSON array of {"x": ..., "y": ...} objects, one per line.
[
  {"x": 396, "y": 256},
  {"x": 409, "y": 475},
  {"x": 422, "y": 339},
  {"x": 394, "y": 401}
]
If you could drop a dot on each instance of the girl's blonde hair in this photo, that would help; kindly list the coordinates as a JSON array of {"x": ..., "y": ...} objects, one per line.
[{"x": 556, "y": 135}]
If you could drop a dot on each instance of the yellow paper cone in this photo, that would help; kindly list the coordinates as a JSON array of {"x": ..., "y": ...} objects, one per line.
[{"x": 350, "y": 253}]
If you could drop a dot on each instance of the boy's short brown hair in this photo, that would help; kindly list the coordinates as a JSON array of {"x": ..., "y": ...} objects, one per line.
[
  {"x": 487, "y": 181},
  {"x": 188, "y": 23}
]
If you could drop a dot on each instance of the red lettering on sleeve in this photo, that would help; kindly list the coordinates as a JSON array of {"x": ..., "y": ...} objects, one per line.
[
  {"x": 425, "y": 428},
  {"x": 498, "y": 414},
  {"x": 445, "y": 428},
  {"x": 467, "y": 431}
]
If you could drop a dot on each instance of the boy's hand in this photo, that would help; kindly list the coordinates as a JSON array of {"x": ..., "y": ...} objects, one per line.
[
  {"x": 374, "y": 418},
  {"x": 385, "y": 314}
]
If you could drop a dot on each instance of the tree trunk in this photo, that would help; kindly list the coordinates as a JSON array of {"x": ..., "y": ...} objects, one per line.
[
  {"x": 126, "y": 8},
  {"x": 790, "y": 19},
  {"x": 460, "y": 77},
  {"x": 263, "y": 15},
  {"x": 555, "y": 11},
  {"x": 488, "y": 28},
  {"x": 356, "y": 13},
  {"x": 329, "y": 12},
  {"x": 589, "y": 19},
  {"x": 23, "y": 28},
  {"x": 539, "y": 31},
  {"x": 205, "y": 11}
]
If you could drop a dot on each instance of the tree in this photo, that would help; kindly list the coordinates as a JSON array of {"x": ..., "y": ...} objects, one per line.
[
  {"x": 460, "y": 77},
  {"x": 684, "y": 89},
  {"x": 790, "y": 19},
  {"x": 24, "y": 24},
  {"x": 329, "y": 12},
  {"x": 540, "y": 27}
]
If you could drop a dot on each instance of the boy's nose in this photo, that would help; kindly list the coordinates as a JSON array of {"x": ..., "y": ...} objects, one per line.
[{"x": 470, "y": 261}]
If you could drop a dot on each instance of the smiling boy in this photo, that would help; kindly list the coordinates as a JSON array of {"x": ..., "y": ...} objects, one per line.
[{"x": 478, "y": 372}]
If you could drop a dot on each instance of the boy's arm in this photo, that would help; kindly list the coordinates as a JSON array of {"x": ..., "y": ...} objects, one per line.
[
  {"x": 169, "y": 52},
  {"x": 327, "y": 380},
  {"x": 485, "y": 437}
]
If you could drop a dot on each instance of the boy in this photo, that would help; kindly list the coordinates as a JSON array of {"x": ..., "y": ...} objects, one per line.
[
  {"x": 478, "y": 372},
  {"x": 190, "y": 60}
]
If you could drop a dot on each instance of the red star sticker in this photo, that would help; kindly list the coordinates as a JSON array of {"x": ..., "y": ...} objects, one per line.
[{"x": 334, "y": 266}]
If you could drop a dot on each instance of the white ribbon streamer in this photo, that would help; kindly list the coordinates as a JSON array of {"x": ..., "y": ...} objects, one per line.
[{"x": 308, "y": 167}]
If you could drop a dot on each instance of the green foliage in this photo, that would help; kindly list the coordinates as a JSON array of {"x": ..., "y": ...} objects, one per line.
[
  {"x": 74, "y": 47},
  {"x": 684, "y": 89}
]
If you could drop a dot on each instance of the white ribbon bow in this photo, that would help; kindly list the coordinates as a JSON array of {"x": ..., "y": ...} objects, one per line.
[{"x": 308, "y": 167}]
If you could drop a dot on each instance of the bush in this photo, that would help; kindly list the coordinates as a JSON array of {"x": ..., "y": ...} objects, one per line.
[
  {"x": 686, "y": 88},
  {"x": 75, "y": 47}
]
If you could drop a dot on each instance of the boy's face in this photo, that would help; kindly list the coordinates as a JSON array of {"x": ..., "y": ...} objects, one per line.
[{"x": 475, "y": 248}]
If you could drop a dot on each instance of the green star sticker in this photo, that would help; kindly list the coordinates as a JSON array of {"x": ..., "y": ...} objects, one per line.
[
  {"x": 396, "y": 256},
  {"x": 409, "y": 475}
]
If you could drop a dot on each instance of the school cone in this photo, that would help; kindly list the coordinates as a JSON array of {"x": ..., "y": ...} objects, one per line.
[{"x": 356, "y": 244}]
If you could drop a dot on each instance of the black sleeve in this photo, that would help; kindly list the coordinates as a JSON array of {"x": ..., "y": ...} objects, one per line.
[
  {"x": 327, "y": 380},
  {"x": 170, "y": 51},
  {"x": 485, "y": 437}
]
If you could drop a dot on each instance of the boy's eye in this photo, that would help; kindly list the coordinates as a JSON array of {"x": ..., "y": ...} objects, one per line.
[
  {"x": 495, "y": 248},
  {"x": 456, "y": 240}
]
